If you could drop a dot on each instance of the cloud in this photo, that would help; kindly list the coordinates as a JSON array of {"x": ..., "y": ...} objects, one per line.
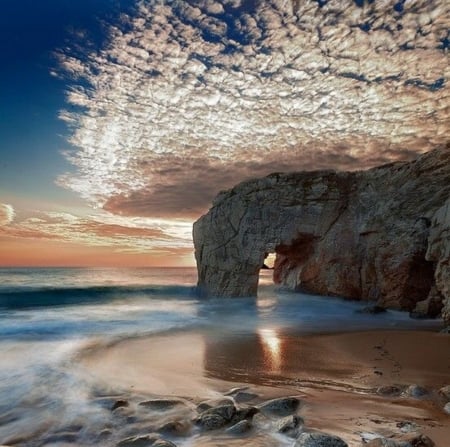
[
  {"x": 191, "y": 97},
  {"x": 104, "y": 230},
  {"x": 6, "y": 214}
]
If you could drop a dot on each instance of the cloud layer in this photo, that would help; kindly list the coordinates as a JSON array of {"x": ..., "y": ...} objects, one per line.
[
  {"x": 104, "y": 230},
  {"x": 190, "y": 97},
  {"x": 6, "y": 214}
]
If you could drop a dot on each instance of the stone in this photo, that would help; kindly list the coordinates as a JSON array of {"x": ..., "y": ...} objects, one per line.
[
  {"x": 240, "y": 428},
  {"x": 420, "y": 441},
  {"x": 383, "y": 442},
  {"x": 207, "y": 404},
  {"x": 244, "y": 396},
  {"x": 290, "y": 425},
  {"x": 162, "y": 404},
  {"x": 407, "y": 426},
  {"x": 138, "y": 441},
  {"x": 216, "y": 417},
  {"x": 380, "y": 235},
  {"x": 415, "y": 391},
  {"x": 211, "y": 421},
  {"x": 283, "y": 406},
  {"x": 176, "y": 428},
  {"x": 390, "y": 390},
  {"x": 319, "y": 440},
  {"x": 163, "y": 443},
  {"x": 445, "y": 392},
  {"x": 244, "y": 413},
  {"x": 372, "y": 310},
  {"x": 119, "y": 403},
  {"x": 447, "y": 407}
]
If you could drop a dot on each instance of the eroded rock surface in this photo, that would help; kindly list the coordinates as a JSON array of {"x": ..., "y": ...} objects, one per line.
[{"x": 381, "y": 235}]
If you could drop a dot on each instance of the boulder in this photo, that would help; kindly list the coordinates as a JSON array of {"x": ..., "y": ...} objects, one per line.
[
  {"x": 240, "y": 428},
  {"x": 290, "y": 425},
  {"x": 445, "y": 392},
  {"x": 380, "y": 235},
  {"x": 282, "y": 406},
  {"x": 319, "y": 440},
  {"x": 216, "y": 417},
  {"x": 139, "y": 441}
]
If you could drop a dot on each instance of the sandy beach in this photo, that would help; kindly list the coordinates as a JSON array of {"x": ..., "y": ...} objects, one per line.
[{"x": 354, "y": 385}]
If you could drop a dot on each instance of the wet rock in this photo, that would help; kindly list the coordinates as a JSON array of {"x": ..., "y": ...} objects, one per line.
[
  {"x": 240, "y": 428},
  {"x": 446, "y": 330},
  {"x": 119, "y": 403},
  {"x": 211, "y": 421},
  {"x": 105, "y": 433},
  {"x": 241, "y": 395},
  {"x": 208, "y": 404},
  {"x": 163, "y": 443},
  {"x": 319, "y": 440},
  {"x": 244, "y": 413},
  {"x": 390, "y": 390},
  {"x": 139, "y": 441},
  {"x": 216, "y": 417},
  {"x": 383, "y": 442},
  {"x": 290, "y": 425},
  {"x": 447, "y": 407},
  {"x": 283, "y": 406},
  {"x": 420, "y": 441},
  {"x": 372, "y": 310},
  {"x": 445, "y": 392},
  {"x": 406, "y": 426},
  {"x": 415, "y": 391},
  {"x": 63, "y": 437},
  {"x": 176, "y": 428},
  {"x": 162, "y": 404}
]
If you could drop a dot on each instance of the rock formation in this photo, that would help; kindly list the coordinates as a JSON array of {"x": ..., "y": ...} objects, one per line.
[{"x": 382, "y": 235}]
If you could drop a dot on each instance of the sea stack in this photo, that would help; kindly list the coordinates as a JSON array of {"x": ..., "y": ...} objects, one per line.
[{"x": 381, "y": 235}]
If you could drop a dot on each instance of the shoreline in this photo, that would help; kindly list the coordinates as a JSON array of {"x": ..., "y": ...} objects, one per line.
[{"x": 351, "y": 383}]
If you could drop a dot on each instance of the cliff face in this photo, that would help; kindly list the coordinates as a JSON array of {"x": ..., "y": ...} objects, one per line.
[{"x": 381, "y": 234}]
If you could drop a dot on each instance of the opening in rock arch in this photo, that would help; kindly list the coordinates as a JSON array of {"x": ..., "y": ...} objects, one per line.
[{"x": 266, "y": 271}]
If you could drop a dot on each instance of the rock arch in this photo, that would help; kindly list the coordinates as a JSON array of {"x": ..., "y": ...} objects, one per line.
[{"x": 361, "y": 235}]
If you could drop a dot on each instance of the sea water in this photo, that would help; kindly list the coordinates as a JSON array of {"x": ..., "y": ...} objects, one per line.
[{"x": 47, "y": 316}]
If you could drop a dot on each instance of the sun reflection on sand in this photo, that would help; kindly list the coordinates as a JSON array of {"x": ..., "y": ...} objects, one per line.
[{"x": 272, "y": 347}]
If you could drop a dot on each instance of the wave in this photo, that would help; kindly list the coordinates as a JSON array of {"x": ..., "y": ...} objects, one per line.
[{"x": 23, "y": 297}]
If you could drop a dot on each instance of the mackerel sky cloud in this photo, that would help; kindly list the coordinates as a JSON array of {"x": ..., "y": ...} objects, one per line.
[{"x": 188, "y": 98}]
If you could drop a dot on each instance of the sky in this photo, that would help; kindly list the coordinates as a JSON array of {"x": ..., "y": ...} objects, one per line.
[{"x": 120, "y": 120}]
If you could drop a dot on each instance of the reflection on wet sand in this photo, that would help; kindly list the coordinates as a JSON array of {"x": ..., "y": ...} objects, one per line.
[{"x": 271, "y": 347}]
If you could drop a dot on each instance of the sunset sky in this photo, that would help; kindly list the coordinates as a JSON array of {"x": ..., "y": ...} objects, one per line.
[{"x": 120, "y": 120}]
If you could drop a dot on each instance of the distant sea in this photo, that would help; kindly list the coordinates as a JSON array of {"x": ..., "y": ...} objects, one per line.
[{"x": 48, "y": 315}]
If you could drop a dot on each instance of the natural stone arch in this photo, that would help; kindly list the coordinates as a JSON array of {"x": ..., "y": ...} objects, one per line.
[{"x": 361, "y": 235}]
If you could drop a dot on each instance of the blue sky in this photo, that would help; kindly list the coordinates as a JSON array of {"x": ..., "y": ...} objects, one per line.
[
  {"x": 31, "y": 134},
  {"x": 121, "y": 120}
]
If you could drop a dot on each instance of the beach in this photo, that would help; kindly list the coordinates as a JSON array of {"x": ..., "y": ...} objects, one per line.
[
  {"x": 342, "y": 380},
  {"x": 125, "y": 357}
]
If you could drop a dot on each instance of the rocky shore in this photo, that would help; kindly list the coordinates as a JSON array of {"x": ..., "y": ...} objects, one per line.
[{"x": 381, "y": 235}]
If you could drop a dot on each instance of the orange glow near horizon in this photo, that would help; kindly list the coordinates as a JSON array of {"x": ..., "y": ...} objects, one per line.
[{"x": 16, "y": 252}]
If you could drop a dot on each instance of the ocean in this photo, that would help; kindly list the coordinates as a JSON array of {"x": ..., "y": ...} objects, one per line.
[{"x": 49, "y": 315}]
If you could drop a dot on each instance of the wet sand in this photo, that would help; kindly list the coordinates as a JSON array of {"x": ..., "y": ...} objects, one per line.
[{"x": 336, "y": 375}]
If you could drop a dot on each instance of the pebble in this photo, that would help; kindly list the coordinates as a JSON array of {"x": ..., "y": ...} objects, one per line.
[
  {"x": 176, "y": 428},
  {"x": 119, "y": 403},
  {"x": 208, "y": 404},
  {"x": 283, "y": 406},
  {"x": 389, "y": 390},
  {"x": 447, "y": 407},
  {"x": 139, "y": 441},
  {"x": 161, "y": 404},
  {"x": 319, "y": 440},
  {"x": 240, "y": 428},
  {"x": 445, "y": 392},
  {"x": 416, "y": 391},
  {"x": 290, "y": 425}
]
